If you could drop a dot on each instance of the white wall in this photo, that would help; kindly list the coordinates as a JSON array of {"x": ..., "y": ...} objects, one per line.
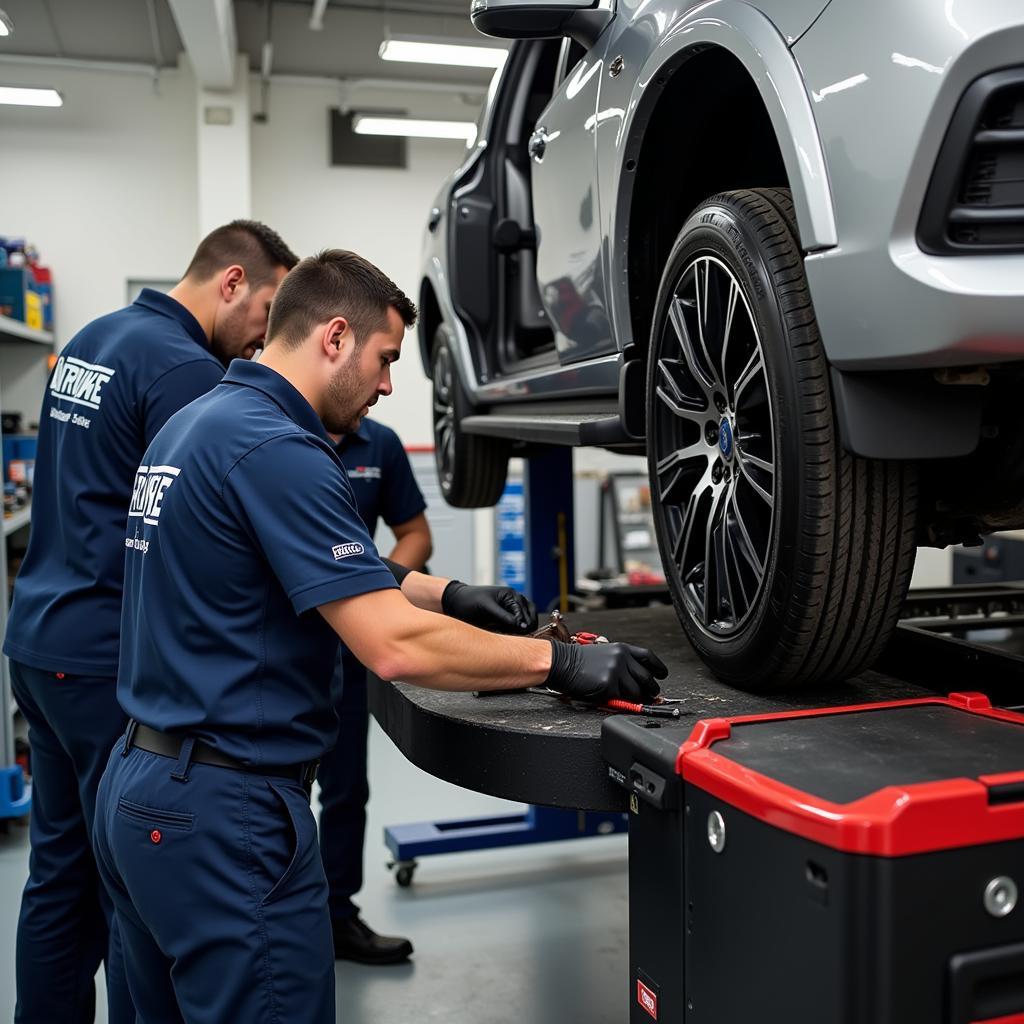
[
  {"x": 378, "y": 212},
  {"x": 933, "y": 568},
  {"x": 105, "y": 186}
]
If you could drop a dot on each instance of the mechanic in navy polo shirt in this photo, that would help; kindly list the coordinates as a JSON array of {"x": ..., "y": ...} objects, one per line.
[
  {"x": 114, "y": 386},
  {"x": 246, "y": 562},
  {"x": 385, "y": 488}
]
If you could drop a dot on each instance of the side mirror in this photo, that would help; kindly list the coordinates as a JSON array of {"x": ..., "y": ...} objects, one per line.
[{"x": 582, "y": 20}]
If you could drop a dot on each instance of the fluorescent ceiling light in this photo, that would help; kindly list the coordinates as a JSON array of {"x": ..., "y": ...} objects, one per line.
[
  {"x": 6, "y": 25},
  {"x": 368, "y": 124},
  {"x": 22, "y": 97},
  {"x": 435, "y": 51}
]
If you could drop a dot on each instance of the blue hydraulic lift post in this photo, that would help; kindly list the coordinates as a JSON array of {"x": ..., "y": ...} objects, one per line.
[{"x": 548, "y": 512}]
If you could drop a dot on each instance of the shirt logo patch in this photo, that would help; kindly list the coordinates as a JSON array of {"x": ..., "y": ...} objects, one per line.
[
  {"x": 346, "y": 550},
  {"x": 151, "y": 483},
  {"x": 364, "y": 473},
  {"x": 75, "y": 380}
]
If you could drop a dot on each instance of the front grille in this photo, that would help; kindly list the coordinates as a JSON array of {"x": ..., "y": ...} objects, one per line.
[{"x": 975, "y": 201}]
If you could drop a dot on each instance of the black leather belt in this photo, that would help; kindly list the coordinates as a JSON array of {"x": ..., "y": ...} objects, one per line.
[{"x": 162, "y": 743}]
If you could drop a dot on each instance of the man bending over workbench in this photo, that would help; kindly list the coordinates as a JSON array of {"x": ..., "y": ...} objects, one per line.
[{"x": 246, "y": 560}]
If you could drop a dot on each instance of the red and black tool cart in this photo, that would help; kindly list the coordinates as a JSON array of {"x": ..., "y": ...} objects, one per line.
[
  {"x": 852, "y": 854},
  {"x": 859, "y": 865}
]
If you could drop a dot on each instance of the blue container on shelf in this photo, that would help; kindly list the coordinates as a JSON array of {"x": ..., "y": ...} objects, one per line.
[
  {"x": 10, "y": 452},
  {"x": 18, "y": 446},
  {"x": 25, "y": 446},
  {"x": 12, "y": 292}
]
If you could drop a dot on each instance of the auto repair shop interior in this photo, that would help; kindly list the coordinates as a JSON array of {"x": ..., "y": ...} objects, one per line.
[{"x": 717, "y": 353}]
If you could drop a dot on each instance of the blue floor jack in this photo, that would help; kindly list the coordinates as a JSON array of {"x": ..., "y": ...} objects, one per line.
[
  {"x": 547, "y": 536},
  {"x": 15, "y": 793}
]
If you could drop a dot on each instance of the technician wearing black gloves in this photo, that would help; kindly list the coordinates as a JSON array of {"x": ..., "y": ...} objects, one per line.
[
  {"x": 384, "y": 487},
  {"x": 246, "y": 561},
  {"x": 506, "y": 609}
]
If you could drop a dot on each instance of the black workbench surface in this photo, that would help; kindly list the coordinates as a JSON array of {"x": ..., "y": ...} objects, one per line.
[{"x": 526, "y": 748}]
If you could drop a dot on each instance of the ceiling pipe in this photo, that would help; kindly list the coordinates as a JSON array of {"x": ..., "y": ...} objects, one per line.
[
  {"x": 136, "y": 68},
  {"x": 316, "y": 18},
  {"x": 78, "y": 64},
  {"x": 207, "y": 30},
  {"x": 267, "y": 51}
]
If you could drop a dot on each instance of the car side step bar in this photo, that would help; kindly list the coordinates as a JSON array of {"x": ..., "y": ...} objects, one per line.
[{"x": 569, "y": 428}]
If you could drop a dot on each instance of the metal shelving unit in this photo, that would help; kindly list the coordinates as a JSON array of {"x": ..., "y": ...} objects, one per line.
[
  {"x": 15, "y": 330},
  {"x": 17, "y": 521},
  {"x": 29, "y": 344},
  {"x": 626, "y": 520}
]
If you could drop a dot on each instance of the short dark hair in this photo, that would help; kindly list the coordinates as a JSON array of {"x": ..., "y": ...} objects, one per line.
[
  {"x": 333, "y": 283},
  {"x": 259, "y": 250}
]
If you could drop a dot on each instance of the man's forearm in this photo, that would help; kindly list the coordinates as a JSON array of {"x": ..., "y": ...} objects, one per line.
[
  {"x": 424, "y": 591},
  {"x": 447, "y": 654},
  {"x": 397, "y": 641},
  {"x": 412, "y": 550}
]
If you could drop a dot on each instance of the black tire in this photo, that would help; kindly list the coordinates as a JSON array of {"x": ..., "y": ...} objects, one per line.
[
  {"x": 471, "y": 469},
  {"x": 808, "y": 550}
]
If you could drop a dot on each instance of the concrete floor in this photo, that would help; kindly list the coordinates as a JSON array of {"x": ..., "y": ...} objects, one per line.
[{"x": 536, "y": 934}]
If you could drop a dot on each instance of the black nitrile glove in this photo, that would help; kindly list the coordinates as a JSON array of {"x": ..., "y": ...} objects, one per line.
[
  {"x": 497, "y": 608},
  {"x": 603, "y": 672}
]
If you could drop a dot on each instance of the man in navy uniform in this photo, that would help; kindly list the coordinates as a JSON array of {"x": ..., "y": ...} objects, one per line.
[
  {"x": 246, "y": 562},
  {"x": 114, "y": 386},
  {"x": 384, "y": 487}
]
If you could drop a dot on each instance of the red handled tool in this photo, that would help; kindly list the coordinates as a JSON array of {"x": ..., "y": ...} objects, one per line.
[{"x": 654, "y": 710}]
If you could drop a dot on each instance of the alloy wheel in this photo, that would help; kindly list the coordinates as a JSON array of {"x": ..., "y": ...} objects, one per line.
[
  {"x": 444, "y": 415},
  {"x": 713, "y": 447}
]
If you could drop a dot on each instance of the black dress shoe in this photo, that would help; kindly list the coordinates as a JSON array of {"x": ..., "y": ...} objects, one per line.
[{"x": 356, "y": 940}]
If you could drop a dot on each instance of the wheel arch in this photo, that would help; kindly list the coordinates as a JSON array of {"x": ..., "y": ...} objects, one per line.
[
  {"x": 727, "y": 50},
  {"x": 436, "y": 311},
  {"x": 429, "y": 320}
]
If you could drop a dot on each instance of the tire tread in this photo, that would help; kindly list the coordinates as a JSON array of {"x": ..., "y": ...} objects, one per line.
[
  {"x": 481, "y": 463},
  {"x": 856, "y": 540}
]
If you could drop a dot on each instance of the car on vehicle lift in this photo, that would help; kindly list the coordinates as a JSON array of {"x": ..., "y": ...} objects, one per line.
[{"x": 778, "y": 247}]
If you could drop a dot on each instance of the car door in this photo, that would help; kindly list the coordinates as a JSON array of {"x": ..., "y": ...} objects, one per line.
[{"x": 565, "y": 204}]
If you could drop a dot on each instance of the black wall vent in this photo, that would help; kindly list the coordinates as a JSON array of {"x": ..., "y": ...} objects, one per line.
[{"x": 351, "y": 150}]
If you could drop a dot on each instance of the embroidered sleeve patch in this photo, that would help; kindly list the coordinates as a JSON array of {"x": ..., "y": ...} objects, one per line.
[{"x": 346, "y": 550}]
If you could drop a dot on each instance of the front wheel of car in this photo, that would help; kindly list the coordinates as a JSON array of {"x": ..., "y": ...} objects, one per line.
[
  {"x": 470, "y": 468},
  {"x": 787, "y": 557}
]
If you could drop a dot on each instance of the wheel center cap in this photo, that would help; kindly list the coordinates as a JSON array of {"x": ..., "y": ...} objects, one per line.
[{"x": 725, "y": 439}]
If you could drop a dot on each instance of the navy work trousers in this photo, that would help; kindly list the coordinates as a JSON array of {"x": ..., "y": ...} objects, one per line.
[
  {"x": 64, "y": 929},
  {"x": 219, "y": 892},
  {"x": 344, "y": 790}
]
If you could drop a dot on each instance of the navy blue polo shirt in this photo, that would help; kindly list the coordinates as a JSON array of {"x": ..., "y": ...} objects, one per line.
[
  {"x": 381, "y": 477},
  {"x": 242, "y": 523},
  {"x": 384, "y": 487},
  {"x": 114, "y": 386}
]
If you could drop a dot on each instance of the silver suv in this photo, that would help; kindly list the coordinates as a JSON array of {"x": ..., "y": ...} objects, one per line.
[{"x": 778, "y": 246}]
